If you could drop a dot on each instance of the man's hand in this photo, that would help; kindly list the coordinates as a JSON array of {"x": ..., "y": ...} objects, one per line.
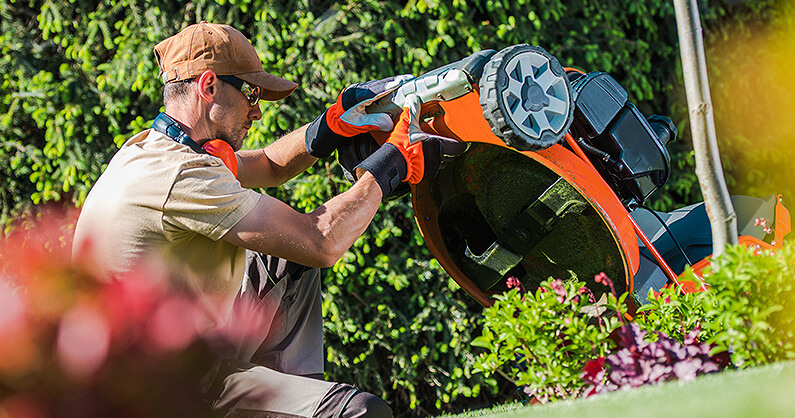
[
  {"x": 347, "y": 117},
  {"x": 409, "y": 153}
]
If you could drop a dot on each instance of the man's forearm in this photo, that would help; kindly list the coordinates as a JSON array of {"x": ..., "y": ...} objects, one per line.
[
  {"x": 275, "y": 164},
  {"x": 316, "y": 239},
  {"x": 344, "y": 218}
]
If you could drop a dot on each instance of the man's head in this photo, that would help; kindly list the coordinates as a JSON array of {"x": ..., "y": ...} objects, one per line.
[
  {"x": 222, "y": 49},
  {"x": 219, "y": 65}
]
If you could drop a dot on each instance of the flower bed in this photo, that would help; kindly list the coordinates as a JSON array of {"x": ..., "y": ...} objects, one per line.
[{"x": 558, "y": 342}]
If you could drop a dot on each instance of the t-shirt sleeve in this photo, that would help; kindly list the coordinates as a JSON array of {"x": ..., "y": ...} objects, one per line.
[{"x": 207, "y": 200}]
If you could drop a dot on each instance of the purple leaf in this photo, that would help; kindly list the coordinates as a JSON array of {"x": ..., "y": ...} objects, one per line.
[
  {"x": 687, "y": 369},
  {"x": 640, "y": 362}
]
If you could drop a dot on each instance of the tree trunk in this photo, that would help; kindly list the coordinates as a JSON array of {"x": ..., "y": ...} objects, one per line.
[{"x": 722, "y": 219}]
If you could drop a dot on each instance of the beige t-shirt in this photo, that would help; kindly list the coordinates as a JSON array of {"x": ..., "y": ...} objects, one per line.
[{"x": 160, "y": 200}]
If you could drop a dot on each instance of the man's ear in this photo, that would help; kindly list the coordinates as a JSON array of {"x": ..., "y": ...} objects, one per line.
[{"x": 208, "y": 85}]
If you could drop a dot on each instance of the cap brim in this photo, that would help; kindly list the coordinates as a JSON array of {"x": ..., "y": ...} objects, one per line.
[{"x": 273, "y": 88}]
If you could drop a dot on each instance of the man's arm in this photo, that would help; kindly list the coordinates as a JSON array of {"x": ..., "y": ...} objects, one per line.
[
  {"x": 316, "y": 239},
  {"x": 296, "y": 151},
  {"x": 275, "y": 164}
]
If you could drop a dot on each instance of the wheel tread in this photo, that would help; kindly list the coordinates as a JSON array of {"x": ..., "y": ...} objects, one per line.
[{"x": 489, "y": 99}]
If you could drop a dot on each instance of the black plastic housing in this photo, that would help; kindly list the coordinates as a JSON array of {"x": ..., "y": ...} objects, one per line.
[{"x": 624, "y": 147}]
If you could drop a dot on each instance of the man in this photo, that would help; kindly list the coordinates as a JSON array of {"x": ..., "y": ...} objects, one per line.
[{"x": 164, "y": 196}]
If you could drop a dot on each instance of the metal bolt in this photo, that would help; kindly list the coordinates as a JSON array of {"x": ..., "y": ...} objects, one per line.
[{"x": 523, "y": 234}]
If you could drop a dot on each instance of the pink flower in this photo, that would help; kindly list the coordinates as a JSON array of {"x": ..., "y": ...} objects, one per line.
[
  {"x": 83, "y": 341},
  {"x": 173, "y": 325},
  {"x": 764, "y": 223},
  {"x": 601, "y": 278},
  {"x": 130, "y": 301},
  {"x": 585, "y": 291},
  {"x": 559, "y": 289},
  {"x": 12, "y": 308},
  {"x": 513, "y": 283}
]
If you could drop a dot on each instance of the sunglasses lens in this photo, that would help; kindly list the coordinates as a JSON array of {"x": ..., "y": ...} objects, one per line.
[
  {"x": 253, "y": 96},
  {"x": 251, "y": 93}
]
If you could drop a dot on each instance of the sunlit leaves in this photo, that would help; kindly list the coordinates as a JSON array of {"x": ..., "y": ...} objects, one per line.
[
  {"x": 542, "y": 340},
  {"x": 747, "y": 312}
]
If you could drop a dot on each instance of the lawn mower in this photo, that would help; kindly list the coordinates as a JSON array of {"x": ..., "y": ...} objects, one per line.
[{"x": 558, "y": 166}]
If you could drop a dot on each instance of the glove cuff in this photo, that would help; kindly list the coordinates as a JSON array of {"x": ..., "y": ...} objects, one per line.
[
  {"x": 320, "y": 140},
  {"x": 388, "y": 167}
]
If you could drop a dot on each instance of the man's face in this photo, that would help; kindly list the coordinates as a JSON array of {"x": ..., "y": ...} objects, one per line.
[{"x": 232, "y": 115}]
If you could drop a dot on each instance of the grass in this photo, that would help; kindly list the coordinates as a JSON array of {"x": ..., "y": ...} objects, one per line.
[{"x": 766, "y": 392}]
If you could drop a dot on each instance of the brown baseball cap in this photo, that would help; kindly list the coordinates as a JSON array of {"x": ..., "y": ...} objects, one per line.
[{"x": 221, "y": 48}]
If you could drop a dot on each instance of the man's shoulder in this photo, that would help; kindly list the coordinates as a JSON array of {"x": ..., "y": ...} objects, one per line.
[
  {"x": 155, "y": 148},
  {"x": 147, "y": 166}
]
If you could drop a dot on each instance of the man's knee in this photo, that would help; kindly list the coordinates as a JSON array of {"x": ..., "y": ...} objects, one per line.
[
  {"x": 346, "y": 401},
  {"x": 366, "y": 405}
]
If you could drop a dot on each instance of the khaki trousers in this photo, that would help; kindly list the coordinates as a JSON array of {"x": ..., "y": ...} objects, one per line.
[{"x": 276, "y": 370}]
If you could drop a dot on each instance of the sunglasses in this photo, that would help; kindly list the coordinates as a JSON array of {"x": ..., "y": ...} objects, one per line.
[{"x": 252, "y": 92}]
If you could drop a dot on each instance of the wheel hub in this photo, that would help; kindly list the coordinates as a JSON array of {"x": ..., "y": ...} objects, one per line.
[
  {"x": 533, "y": 96},
  {"x": 525, "y": 97}
]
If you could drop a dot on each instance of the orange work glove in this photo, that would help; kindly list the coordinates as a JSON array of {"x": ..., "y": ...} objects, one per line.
[
  {"x": 347, "y": 117},
  {"x": 409, "y": 153}
]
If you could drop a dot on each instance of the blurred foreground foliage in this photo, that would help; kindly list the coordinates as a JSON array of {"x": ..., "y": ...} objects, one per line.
[
  {"x": 74, "y": 345},
  {"x": 79, "y": 77}
]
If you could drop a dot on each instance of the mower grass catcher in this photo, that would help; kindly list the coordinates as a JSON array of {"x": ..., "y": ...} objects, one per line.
[{"x": 558, "y": 164}]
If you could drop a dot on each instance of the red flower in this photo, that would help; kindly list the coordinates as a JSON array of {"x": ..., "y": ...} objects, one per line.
[
  {"x": 594, "y": 370},
  {"x": 83, "y": 341}
]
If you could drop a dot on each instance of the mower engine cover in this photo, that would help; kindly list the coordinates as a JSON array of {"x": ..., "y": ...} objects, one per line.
[{"x": 627, "y": 149}]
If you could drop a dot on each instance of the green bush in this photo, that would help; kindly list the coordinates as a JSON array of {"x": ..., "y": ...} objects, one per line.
[
  {"x": 542, "y": 340},
  {"x": 548, "y": 341},
  {"x": 748, "y": 311},
  {"x": 79, "y": 77}
]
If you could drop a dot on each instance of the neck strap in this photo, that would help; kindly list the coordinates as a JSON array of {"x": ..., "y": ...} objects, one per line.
[
  {"x": 216, "y": 147},
  {"x": 168, "y": 126}
]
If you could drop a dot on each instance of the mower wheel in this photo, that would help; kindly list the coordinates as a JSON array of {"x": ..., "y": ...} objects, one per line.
[{"x": 526, "y": 98}]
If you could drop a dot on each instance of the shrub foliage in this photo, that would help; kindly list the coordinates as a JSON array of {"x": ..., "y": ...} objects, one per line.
[
  {"x": 744, "y": 318},
  {"x": 747, "y": 311},
  {"x": 74, "y": 345},
  {"x": 541, "y": 340}
]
